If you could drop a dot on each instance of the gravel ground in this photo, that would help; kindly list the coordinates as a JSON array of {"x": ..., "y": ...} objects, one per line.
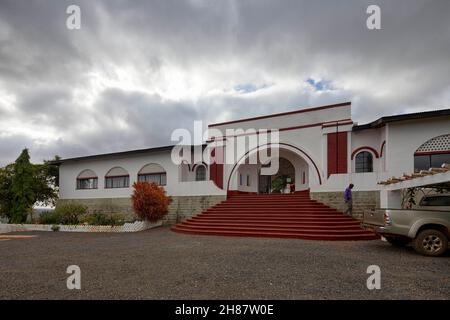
[{"x": 160, "y": 264}]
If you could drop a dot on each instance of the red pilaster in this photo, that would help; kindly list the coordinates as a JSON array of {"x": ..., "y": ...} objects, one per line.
[
  {"x": 337, "y": 152},
  {"x": 216, "y": 169}
]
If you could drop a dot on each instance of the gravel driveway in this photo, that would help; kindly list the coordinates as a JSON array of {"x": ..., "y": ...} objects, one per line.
[{"x": 160, "y": 264}]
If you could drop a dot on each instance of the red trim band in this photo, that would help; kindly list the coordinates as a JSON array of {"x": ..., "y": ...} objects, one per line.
[
  {"x": 285, "y": 129},
  {"x": 122, "y": 176},
  {"x": 365, "y": 148},
  {"x": 337, "y": 124},
  {"x": 429, "y": 153},
  {"x": 282, "y": 114},
  {"x": 146, "y": 174}
]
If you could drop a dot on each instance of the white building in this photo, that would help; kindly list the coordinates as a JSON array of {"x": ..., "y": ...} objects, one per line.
[{"x": 320, "y": 149}]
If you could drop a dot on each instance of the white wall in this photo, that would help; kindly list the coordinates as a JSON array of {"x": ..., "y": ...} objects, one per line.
[
  {"x": 404, "y": 138},
  {"x": 187, "y": 173},
  {"x": 367, "y": 138},
  {"x": 132, "y": 163},
  {"x": 252, "y": 171},
  {"x": 366, "y": 181}
]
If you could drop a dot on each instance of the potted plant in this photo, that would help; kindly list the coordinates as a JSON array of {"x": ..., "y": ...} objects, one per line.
[{"x": 278, "y": 184}]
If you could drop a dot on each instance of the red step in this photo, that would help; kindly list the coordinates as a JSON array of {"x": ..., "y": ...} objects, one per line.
[
  {"x": 271, "y": 224},
  {"x": 278, "y": 229},
  {"x": 312, "y": 228},
  {"x": 283, "y": 221},
  {"x": 269, "y": 216},
  {"x": 296, "y": 235},
  {"x": 280, "y": 216},
  {"x": 271, "y": 204},
  {"x": 262, "y": 211}
]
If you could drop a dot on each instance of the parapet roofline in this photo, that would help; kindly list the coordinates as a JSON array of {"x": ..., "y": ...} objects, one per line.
[
  {"x": 402, "y": 117},
  {"x": 118, "y": 154},
  {"x": 344, "y": 104}
]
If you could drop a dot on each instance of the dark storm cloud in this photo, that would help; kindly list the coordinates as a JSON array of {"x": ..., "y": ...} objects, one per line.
[
  {"x": 34, "y": 46},
  {"x": 146, "y": 121},
  {"x": 11, "y": 146},
  {"x": 137, "y": 70}
]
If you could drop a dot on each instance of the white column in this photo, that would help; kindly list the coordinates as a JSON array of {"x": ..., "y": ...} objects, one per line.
[{"x": 391, "y": 199}]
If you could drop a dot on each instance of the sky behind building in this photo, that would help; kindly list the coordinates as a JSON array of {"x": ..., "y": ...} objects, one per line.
[{"x": 137, "y": 70}]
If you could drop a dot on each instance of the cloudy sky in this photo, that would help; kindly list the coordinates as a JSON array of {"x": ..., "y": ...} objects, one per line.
[{"x": 136, "y": 70}]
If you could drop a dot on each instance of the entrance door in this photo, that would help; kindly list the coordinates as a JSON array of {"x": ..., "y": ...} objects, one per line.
[{"x": 265, "y": 184}]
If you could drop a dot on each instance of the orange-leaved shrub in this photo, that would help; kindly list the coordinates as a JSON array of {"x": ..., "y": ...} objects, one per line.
[{"x": 150, "y": 201}]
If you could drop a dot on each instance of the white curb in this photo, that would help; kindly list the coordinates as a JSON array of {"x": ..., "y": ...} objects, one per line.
[{"x": 127, "y": 227}]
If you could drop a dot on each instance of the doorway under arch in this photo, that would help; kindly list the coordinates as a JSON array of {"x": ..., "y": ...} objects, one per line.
[
  {"x": 286, "y": 173},
  {"x": 293, "y": 174}
]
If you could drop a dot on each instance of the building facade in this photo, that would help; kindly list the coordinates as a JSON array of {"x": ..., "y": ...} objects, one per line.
[{"x": 318, "y": 149}]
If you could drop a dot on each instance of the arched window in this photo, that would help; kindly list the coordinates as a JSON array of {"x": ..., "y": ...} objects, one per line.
[
  {"x": 117, "y": 178},
  {"x": 364, "y": 162},
  {"x": 153, "y": 172},
  {"x": 200, "y": 173},
  {"x": 432, "y": 153},
  {"x": 87, "y": 179}
]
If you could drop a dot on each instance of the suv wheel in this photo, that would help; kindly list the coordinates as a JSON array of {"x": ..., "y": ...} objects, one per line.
[
  {"x": 431, "y": 243},
  {"x": 398, "y": 242}
]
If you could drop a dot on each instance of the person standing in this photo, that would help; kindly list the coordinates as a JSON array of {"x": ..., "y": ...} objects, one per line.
[{"x": 349, "y": 200}]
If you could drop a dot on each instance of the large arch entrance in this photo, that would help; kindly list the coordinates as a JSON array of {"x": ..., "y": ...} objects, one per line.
[{"x": 292, "y": 175}]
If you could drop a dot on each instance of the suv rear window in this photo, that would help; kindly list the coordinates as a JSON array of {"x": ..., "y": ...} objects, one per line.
[{"x": 435, "y": 201}]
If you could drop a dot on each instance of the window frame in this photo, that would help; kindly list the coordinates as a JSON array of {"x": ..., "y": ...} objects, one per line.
[
  {"x": 160, "y": 174},
  {"x": 126, "y": 185},
  {"x": 425, "y": 198},
  {"x": 429, "y": 157},
  {"x": 364, "y": 165},
  {"x": 196, "y": 172},
  {"x": 94, "y": 180}
]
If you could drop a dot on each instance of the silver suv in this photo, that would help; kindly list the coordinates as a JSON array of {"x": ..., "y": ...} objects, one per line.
[{"x": 426, "y": 225}]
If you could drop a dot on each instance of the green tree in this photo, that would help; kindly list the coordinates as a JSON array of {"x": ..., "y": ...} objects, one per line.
[
  {"x": 52, "y": 171},
  {"x": 6, "y": 197},
  {"x": 22, "y": 189},
  {"x": 46, "y": 182},
  {"x": 23, "y": 184}
]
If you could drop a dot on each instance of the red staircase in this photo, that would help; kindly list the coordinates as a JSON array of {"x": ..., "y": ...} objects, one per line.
[{"x": 275, "y": 215}]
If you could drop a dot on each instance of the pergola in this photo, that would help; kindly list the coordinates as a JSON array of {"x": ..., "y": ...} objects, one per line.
[
  {"x": 434, "y": 177},
  {"x": 390, "y": 194}
]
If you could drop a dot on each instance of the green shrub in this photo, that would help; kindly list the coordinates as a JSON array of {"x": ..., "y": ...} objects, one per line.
[
  {"x": 49, "y": 217},
  {"x": 4, "y": 219},
  {"x": 103, "y": 219},
  {"x": 95, "y": 219},
  {"x": 71, "y": 213},
  {"x": 55, "y": 228},
  {"x": 66, "y": 214}
]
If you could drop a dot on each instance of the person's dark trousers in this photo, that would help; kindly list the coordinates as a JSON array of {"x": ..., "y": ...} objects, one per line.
[{"x": 349, "y": 210}]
